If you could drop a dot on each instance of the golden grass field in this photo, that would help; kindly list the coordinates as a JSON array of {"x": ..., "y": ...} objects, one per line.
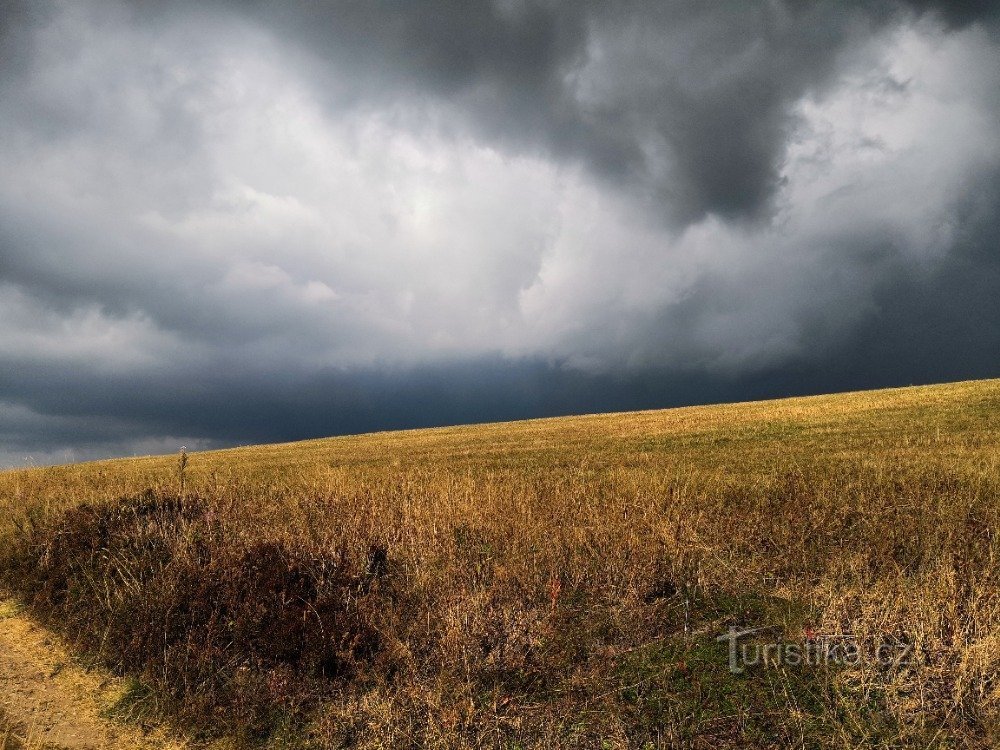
[{"x": 548, "y": 583}]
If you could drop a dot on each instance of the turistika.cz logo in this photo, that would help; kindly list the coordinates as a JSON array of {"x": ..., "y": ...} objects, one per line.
[{"x": 814, "y": 650}]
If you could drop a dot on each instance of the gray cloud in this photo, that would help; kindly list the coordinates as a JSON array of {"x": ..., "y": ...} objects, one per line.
[
  {"x": 688, "y": 104},
  {"x": 231, "y": 222},
  {"x": 959, "y": 13},
  {"x": 684, "y": 103}
]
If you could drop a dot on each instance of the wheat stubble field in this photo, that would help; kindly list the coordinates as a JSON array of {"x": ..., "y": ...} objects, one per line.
[{"x": 550, "y": 583}]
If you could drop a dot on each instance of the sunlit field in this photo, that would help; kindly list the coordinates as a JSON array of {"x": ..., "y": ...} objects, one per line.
[{"x": 549, "y": 583}]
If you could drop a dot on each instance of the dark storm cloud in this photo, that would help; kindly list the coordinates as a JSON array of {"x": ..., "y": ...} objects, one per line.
[
  {"x": 233, "y": 222},
  {"x": 684, "y": 102},
  {"x": 959, "y": 12},
  {"x": 931, "y": 324}
]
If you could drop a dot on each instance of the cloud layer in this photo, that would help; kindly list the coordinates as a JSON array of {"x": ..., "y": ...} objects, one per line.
[{"x": 233, "y": 222}]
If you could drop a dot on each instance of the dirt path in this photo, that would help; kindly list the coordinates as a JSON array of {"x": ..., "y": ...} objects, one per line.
[{"x": 52, "y": 702}]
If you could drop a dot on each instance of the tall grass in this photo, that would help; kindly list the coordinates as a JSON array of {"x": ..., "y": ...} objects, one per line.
[{"x": 557, "y": 583}]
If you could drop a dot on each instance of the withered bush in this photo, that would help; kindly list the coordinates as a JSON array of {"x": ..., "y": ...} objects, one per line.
[{"x": 225, "y": 624}]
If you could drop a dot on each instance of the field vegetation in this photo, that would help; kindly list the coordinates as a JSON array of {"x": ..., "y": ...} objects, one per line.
[
  {"x": 549, "y": 583},
  {"x": 9, "y": 740}
]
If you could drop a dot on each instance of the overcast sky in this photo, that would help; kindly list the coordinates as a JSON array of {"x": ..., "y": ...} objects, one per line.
[{"x": 231, "y": 222}]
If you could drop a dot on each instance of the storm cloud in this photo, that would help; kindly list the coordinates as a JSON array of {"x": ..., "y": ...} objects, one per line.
[{"x": 224, "y": 223}]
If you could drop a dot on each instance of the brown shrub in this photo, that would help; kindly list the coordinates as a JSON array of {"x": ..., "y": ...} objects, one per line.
[{"x": 159, "y": 587}]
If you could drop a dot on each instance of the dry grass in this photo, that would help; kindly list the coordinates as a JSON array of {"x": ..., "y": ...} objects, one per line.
[
  {"x": 9, "y": 738},
  {"x": 15, "y": 737},
  {"x": 554, "y": 583}
]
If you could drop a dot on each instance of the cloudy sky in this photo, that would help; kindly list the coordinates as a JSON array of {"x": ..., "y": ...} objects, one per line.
[{"x": 229, "y": 222}]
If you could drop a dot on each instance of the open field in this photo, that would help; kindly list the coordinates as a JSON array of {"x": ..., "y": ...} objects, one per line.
[{"x": 551, "y": 583}]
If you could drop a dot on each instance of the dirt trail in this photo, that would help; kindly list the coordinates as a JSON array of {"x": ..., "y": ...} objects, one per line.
[{"x": 54, "y": 703}]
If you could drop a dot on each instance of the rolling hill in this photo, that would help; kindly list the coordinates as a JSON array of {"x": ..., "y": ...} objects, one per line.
[{"x": 649, "y": 579}]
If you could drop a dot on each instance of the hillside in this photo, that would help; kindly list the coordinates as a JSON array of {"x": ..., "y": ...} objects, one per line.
[{"x": 547, "y": 583}]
